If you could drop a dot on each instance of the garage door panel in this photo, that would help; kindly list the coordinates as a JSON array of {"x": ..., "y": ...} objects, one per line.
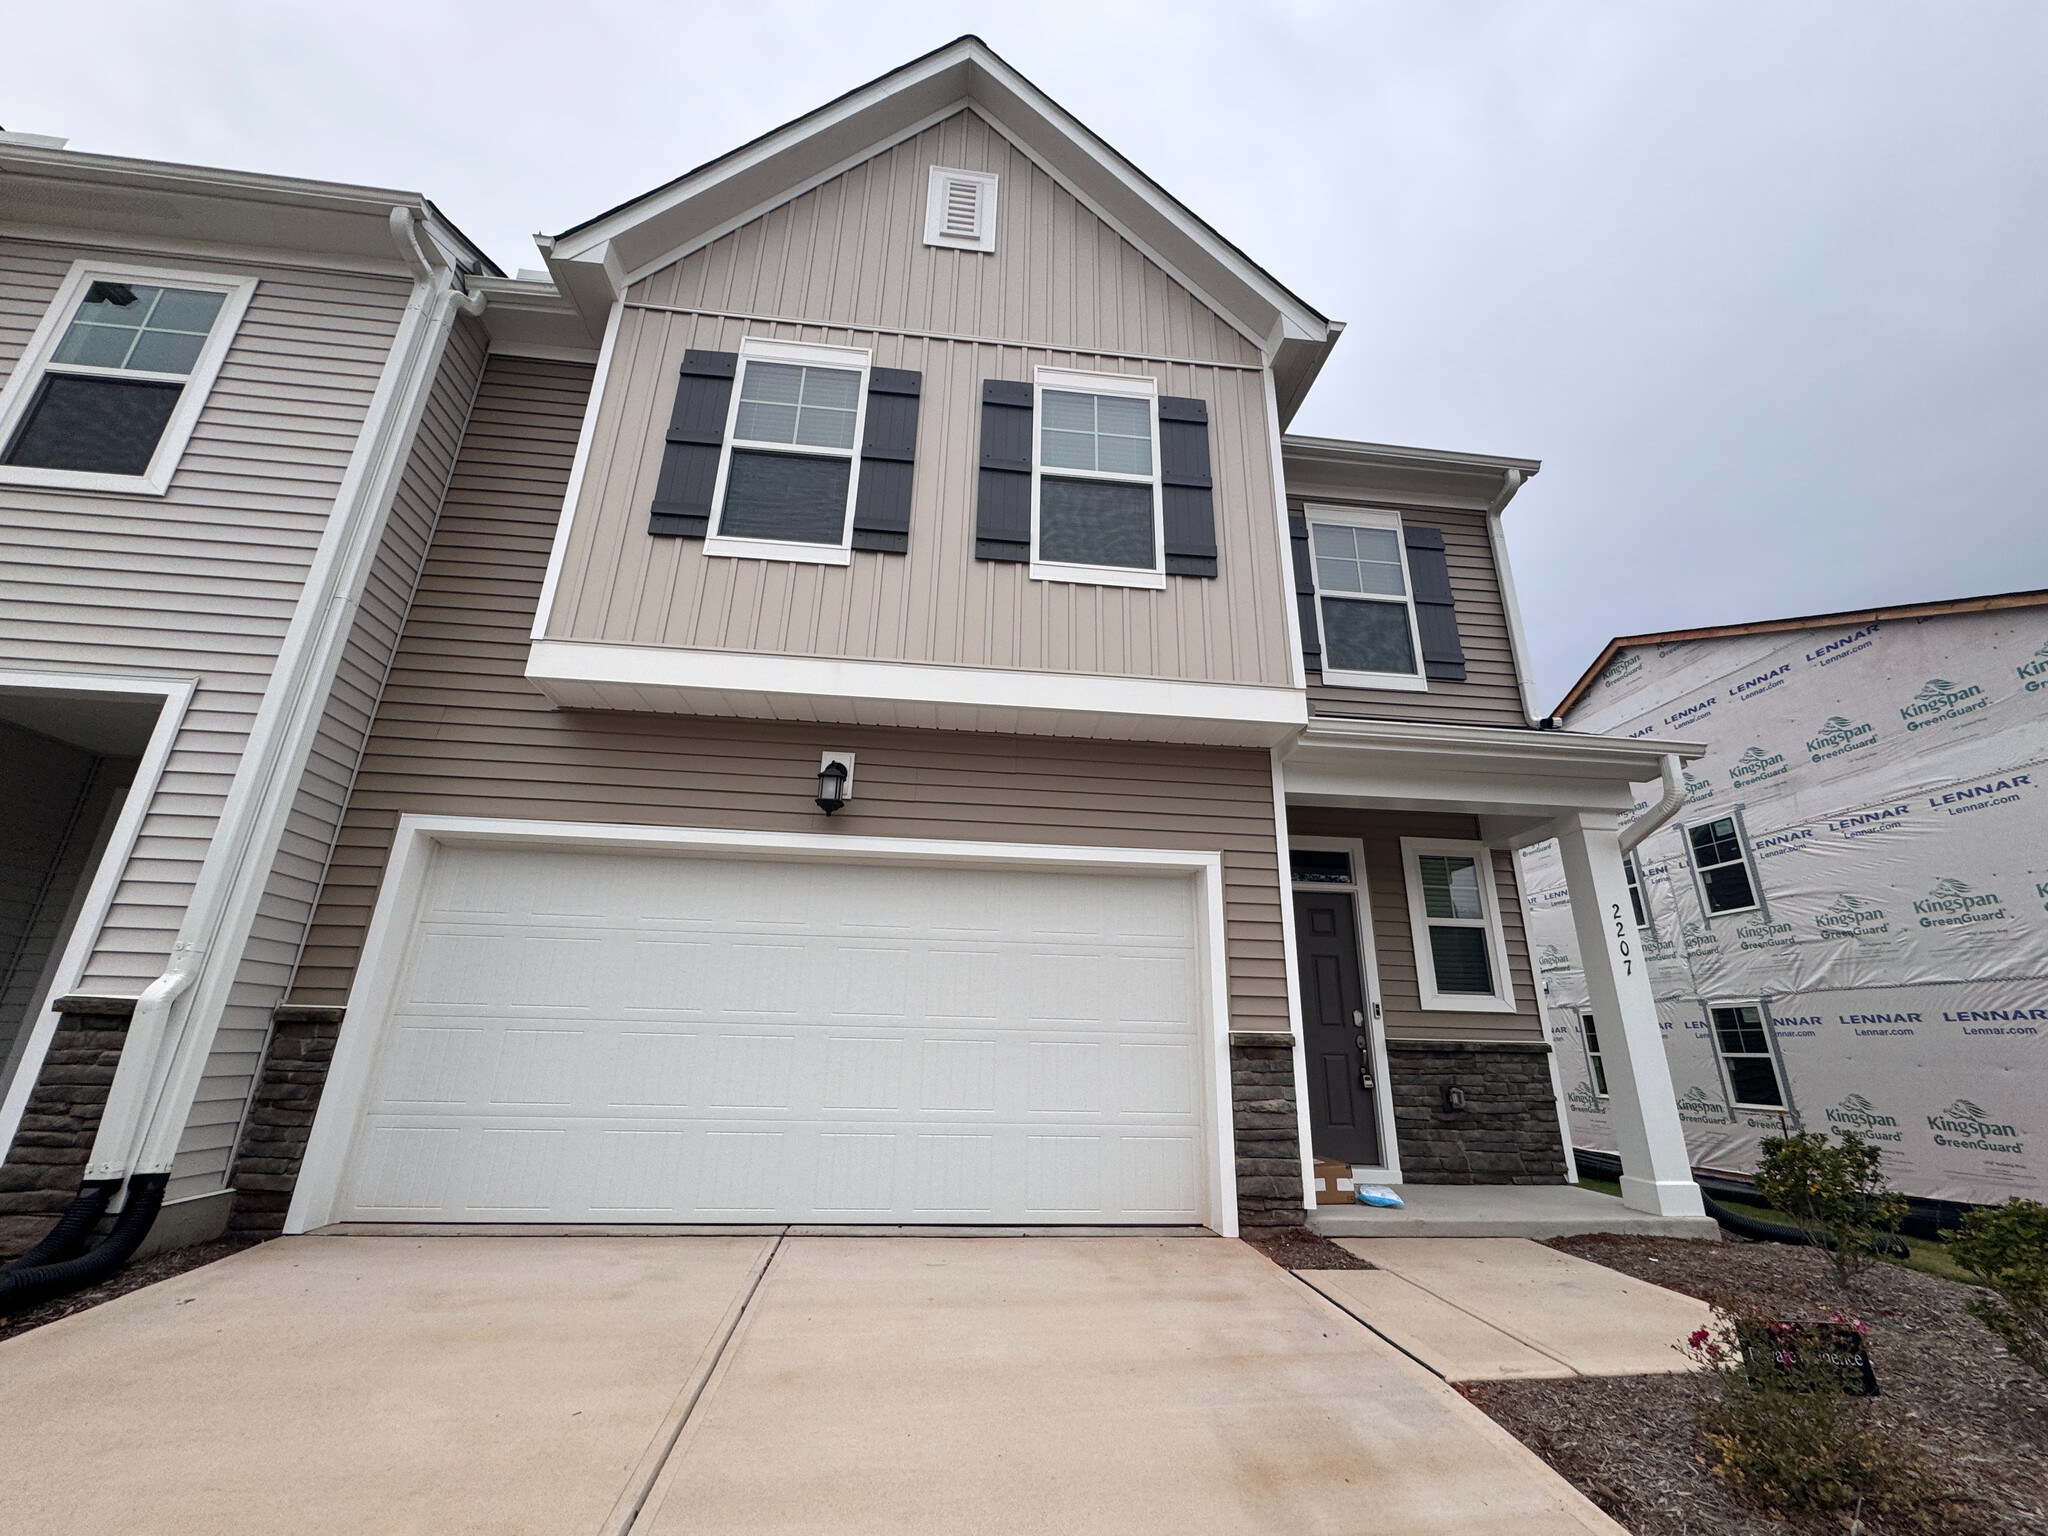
[{"x": 663, "y": 1039}]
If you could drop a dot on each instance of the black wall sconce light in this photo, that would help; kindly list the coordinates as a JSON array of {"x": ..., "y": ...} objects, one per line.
[{"x": 835, "y": 781}]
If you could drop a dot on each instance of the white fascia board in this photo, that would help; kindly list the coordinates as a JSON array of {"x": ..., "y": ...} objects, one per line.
[
  {"x": 672, "y": 219},
  {"x": 745, "y": 685},
  {"x": 105, "y": 196},
  {"x": 1487, "y": 771}
]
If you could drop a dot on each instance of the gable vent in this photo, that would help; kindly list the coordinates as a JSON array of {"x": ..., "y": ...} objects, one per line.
[{"x": 960, "y": 213}]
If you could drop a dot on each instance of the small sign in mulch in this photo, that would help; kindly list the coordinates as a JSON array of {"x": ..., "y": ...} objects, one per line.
[{"x": 1813, "y": 1355}]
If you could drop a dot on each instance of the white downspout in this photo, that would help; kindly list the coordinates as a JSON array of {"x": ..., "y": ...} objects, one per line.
[
  {"x": 1518, "y": 642},
  {"x": 178, "y": 1015},
  {"x": 1674, "y": 797}
]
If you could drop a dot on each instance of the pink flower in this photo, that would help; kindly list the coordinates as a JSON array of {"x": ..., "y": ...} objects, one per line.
[{"x": 1699, "y": 1337}]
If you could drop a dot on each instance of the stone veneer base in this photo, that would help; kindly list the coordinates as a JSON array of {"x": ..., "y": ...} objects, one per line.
[{"x": 1507, "y": 1133}]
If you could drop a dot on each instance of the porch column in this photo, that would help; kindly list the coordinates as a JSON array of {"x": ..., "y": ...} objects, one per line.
[{"x": 1656, "y": 1172}]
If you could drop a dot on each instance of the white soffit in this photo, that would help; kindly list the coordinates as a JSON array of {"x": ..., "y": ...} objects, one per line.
[
  {"x": 653, "y": 229},
  {"x": 743, "y": 685}
]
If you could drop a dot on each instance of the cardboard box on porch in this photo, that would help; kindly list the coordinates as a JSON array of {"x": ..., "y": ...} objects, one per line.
[{"x": 1333, "y": 1183}]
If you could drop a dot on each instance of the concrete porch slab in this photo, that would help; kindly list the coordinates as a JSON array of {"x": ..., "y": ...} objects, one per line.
[
  {"x": 1536, "y": 1211},
  {"x": 1120, "y": 1386},
  {"x": 344, "y": 1385},
  {"x": 1590, "y": 1320}
]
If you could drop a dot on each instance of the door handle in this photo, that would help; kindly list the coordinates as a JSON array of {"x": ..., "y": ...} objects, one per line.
[{"x": 1358, "y": 1017}]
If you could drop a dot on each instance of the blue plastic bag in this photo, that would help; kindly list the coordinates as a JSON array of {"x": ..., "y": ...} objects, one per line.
[{"x": 1376, "y": 1194}]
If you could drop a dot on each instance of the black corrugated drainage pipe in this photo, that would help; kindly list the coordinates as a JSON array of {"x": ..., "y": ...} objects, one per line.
[
  {"x": 1771, "y": 1232},
  {"x": 74, "y": 1228},
  {"x": 25, "y": 1285}
]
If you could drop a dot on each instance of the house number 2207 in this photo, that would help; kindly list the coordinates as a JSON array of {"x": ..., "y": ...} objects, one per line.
[{"x": 1628, "y": 966}]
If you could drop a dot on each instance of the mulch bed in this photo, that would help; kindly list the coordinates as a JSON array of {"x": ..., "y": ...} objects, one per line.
[
  {"x": 1299, "y": 1248},
  {"x": 157, "y": 1267},
  {"x": 1947, "y": 1387}
]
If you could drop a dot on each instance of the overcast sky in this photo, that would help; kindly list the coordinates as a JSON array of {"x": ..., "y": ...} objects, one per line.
[{"x": 1765, "y": 286}]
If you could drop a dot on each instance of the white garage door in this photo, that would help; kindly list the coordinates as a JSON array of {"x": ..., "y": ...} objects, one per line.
[{"x": 615, "y": 1038}]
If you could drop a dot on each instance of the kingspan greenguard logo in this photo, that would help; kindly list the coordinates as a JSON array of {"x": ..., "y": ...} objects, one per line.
[
  {"x": 1697, "y": 789},
  {"x": 1838, "y": 736},
  {"x": 1764, "y": 934},
  {"x": 1858, "y": 1114},
  {"x": 2034, "y": 673},
  {"x": 1698, "y": 1107},
  {"x": 1755, "y": 766},
  {"x": 1971, "y": 1128},
  {"x": 1851, "y": 917},
  {"x": 1627, "y": 664},
  {"x": 1939, "y": 700},
  {"x": 1553, "y": 959},
  {"x": 1952, "y": 904},
  {"x": 1583, "y": 1099},
  {"x": 1698, "y": 939}
]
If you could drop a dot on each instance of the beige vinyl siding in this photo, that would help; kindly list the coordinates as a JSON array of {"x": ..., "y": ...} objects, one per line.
[
  {"x": 1061, "y": 290},
  {"x": 1491, "y": 693},
  {"x": 211, "y": 1130},
  {"x": 851, "y": 252},
  {"x": 461, "y": 732},
  {"x": 200, "y": 582},
  {"x": 1393, "y": 946}
]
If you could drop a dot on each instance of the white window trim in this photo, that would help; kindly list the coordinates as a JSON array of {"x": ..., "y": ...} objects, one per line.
[
  {"x": 1502, "y": 999},
  {"x": 1365, "y": 517},
  {"x": 1136, "y": 387},
  {"x": 984, "y": 237},
  {"x": 1388, "y": 1169},
  {"x": 1699, "y": 876},
  {"x": 1639, "y": 886},
  {"x": 740, "y": 547},
  {"x": 21, "y": 385},
  {"x": 1770, "y": 1029}
]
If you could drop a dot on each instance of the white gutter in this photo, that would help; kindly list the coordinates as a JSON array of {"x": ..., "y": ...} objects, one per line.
[
  {"x": 1518, "y": 643},
  {"x": 178, "y": 1015},
  {"x": 1674, "y": 797}
]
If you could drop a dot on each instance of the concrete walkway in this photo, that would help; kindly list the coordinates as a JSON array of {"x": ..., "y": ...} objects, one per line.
[
  {"x": 1538, "y": 1211},
  {"x": 1491, "y": 1309},
  {"x": 606, "y": 1385}
]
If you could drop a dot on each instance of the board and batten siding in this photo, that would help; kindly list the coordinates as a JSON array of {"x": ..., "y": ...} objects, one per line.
[
  {"x": 211, "y": 1130},
  {"x": 1491, "y": 693},
  {"x": 202, "y": 581},
  {"x": 845, "y": 264},
  {"x": 1393, "y": 945},
  {"x": 462, "y": 732}
]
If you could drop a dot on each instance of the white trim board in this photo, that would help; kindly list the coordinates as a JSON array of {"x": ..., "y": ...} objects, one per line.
[
  {"x": 385, "y": 945},
  {"x": 912, "y": 695},
  {"x": 41, "y": 1023}
]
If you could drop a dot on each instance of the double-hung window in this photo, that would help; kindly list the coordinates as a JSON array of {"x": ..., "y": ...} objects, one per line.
[
  {"x": 791, "y": 462},
  {"x": 1745, "y": 1047},
  {"x": 1461, "y": 959},
  {"x": 1364, "y": 599},
  {"x": 1593, "y": 1058},
  {"x": 1726, "y": 882},
  {"x": 1637, "y": 904},
  {"x": 111, "y": 386},
  {"x": 1096, "y": 511}
]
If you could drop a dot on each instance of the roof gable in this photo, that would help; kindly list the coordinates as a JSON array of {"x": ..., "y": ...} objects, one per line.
[{"x": 596, "y": 260}]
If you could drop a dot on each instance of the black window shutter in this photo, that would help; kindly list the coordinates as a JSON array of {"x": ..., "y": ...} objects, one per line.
[
  {"x": 1305, "y": 593},
  {"x": 888, "y": 453},
  {"x": 689, "y": 462},
  {"x": 1002, "y": 519},
  {"x": 1436, "y": 611},
  {"x": 1189, "y": 503}
]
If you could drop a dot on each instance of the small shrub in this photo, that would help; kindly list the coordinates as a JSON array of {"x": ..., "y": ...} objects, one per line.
[
  {"x": 1835, "y": 1194},
  {"x": 2006, "y": 1248},
  {"x": 1787, "y": 1435}
]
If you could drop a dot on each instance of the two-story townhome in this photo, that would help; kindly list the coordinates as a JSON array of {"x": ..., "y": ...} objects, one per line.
[
  {"x": 892, "y": 730},
  {"x": 228, "y": 407}
]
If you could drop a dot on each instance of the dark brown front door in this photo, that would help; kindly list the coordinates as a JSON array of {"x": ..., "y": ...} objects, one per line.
[{"x": 1343, "y": 1122}]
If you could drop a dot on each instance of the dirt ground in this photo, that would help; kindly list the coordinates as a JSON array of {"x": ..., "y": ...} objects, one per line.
[
  {"x": 1977, "y": 1416},
  {"x": 1299, "y": 1248},
  {"x": 162, "y": 1266}
]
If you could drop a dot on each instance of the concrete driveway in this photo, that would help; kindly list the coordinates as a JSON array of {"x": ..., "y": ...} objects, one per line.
[{"x": 599, "y": 1385}]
